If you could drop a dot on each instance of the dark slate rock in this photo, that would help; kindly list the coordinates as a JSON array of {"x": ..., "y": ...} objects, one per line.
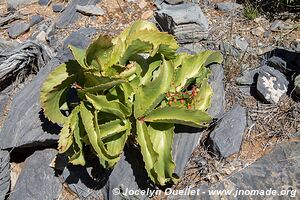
[
  {"x": 35, "y": 19},
  {"x": 226, "y": 138},
  {"x": 15, "y": 4},
  {"x": 58, "y": 7},
  {"x": 25, "y": 124},
  {"x": 186, "y": 50},
  {"x": 249, "y": 77},
  {"x": 173, "y": 2},
  {"x": 69, "y": 15},
  {"x": 194, "y": 47},
  {"x": 277, "y": 63},
  {"x": 44, "y": 2},
  {"x": 297, "y": 85},
  {"x": 18, "y": 29},
  {"x": 3, "y": 101},
  {"x": 290, "y": 57},
  {"x": 295, "y": 45},
  {"x": 129, "y": 173},
  {"x": 186, "y": 21},
  {"x": 228, "y": 6},
  {"x": 217, "y": 83},
  {"x": 82, "y": 182},
  {"x": 278, "y": 170},
  {"x": 90, "y": 10},
  {"x": 228, "y": 49},
  {"x": 37, "y": 179},
  {"x": 271, "y": 84},
  {"x": 186, "y": 139},
  {"x": 4, "y": 174}
]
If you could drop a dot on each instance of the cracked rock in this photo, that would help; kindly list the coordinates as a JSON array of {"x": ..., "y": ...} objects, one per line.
[{"x": 186, "y": 21}]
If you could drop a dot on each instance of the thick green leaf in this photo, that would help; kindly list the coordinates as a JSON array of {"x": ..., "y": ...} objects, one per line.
[
  {"x": 79, "y": 133},
  {"x": 114, "y": 107},
  {"x": 71, "y": 137},
  {"x": 202, "y": 100},
  {"x": 115, "y": 142},
  {"x": 149, "y": 155},
  {"x": 65, "y": 137},
  {"x": 55, "y": 88},
  {"x": 149, "y": 96},
  {"x": 79, "y": 55},
  {"x": 91, "y": 126},
  {"x": 99, "y": 52},
  {"x": 142, "y": 37},
  {"x": 157, "y": 39},
  {"x": 162, "y": 136},
  {"x": 113, "y": 128},
  {"x": 174, "y": 115},
  {"x": 191, "y": 66},
  {"x": 97, "y": 84}
]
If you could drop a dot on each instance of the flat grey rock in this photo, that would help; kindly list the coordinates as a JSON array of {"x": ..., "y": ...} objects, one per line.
[
  {"x": 277, "y": 170},
  {"x": 4, "y": 174},
  {"x": 185, "y": 142},
  {"x": 195, "y": 47},
  {"x": 35, "y": 19},
  {"x": 82, "y": 182},
  {"x": 241, "y": 43},
  {"x": 297, "y": 85},
  {"x": 128, "y": 174},
  {"x": 59, "y": 7},
  {"x": 227, "y": 136},
  {"x": 249, "y": 77},
  {"x": 90, "y": 10},
  {"x": 186, "y": 21},
  {"x": 271, "y": 84},
  {"x": 69, "y": 15},
  {"x": 228, "y": 49},
  {"x": 37, "y": 179},
  {"x": 228, "y": 6},
  {"x": 15, "y": 4},
  {"x": 173, "y": 2},
  {"x": 25, "y": 124},
  {"x": 17, "y": 29},
  {"x": 6, "y": 45},
  {"x": 44, "y": 2},
  {"x": 216, "y": 81}
]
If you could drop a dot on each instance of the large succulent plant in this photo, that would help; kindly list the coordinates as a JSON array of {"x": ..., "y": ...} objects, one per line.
[{"x": 131, "y": 85}]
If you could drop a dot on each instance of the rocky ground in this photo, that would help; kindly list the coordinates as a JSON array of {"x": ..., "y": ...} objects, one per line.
[{"x": 253, "y": 142}]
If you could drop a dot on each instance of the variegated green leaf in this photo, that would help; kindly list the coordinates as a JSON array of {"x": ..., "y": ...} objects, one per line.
[{"x": 175, "y": 115}]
